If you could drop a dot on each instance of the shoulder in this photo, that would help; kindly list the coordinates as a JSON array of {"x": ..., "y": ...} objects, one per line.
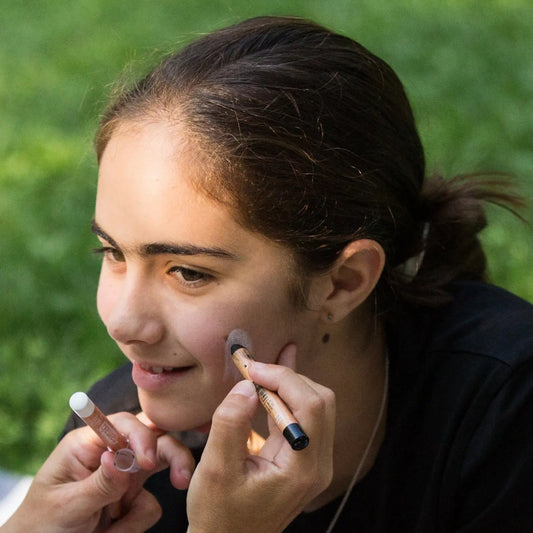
[
  {"x": 474, "y": 359},
  {"x": 486, "y": 321},
  {"x": 483, "y": 334},
  {"x": 461, "y": 388},
  {"x": 464, "y": 358}
]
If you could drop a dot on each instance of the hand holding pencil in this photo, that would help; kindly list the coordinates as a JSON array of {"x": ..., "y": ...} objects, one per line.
[
  {"x": 263, "y": 492},
  {"x": 80, "y": 489}
]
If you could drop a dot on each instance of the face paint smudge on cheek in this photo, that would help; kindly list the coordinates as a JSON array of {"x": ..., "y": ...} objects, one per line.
[{"x": 237, "y": 336}]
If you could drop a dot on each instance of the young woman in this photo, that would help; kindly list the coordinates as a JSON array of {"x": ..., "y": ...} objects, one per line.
[{"x": 270, "y": 178}]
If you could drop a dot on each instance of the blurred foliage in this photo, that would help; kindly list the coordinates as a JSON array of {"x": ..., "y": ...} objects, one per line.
[{"x": 466, "y": 64}]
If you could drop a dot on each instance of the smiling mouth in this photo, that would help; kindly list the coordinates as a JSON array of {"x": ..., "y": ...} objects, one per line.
[{"x": 163, "y": 369}]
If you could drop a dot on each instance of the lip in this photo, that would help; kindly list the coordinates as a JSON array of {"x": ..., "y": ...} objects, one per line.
[{"x": 153, "y": 381}]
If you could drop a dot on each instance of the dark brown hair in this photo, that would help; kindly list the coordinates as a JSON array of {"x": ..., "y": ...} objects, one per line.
[{"x": 314, "y": 145}]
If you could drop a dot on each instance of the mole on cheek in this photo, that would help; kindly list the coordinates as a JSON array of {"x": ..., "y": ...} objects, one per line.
[{"x": 325, "y": 338}]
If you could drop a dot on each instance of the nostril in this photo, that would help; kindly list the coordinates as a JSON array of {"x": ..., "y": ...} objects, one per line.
[{"x": 136, "y": 330}]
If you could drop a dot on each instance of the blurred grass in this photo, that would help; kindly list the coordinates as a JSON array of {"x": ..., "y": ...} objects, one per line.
[{"x": 467, "y": 66}]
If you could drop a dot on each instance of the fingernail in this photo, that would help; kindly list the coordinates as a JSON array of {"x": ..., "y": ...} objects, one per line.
[{"x": 245, "y": 388}]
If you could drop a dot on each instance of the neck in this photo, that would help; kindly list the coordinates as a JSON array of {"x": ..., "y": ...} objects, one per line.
[{"x": 353, "y": 365}]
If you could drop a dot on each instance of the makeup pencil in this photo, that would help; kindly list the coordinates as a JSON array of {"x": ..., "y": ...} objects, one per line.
[
  {"x": 273, "y": 404},
  {"x": 84, "y": 407}
]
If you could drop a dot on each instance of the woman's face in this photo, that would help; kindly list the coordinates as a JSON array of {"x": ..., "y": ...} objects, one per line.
[{"x": 179, "y": 274}]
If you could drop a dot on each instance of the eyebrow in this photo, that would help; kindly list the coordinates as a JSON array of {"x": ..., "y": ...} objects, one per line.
[{"x": 156, "y": 248}]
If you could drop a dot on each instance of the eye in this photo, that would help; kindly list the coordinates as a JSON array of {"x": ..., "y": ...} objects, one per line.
[
  {"x": 190, "y": 277},
  {"x": 110, "y": 253}
]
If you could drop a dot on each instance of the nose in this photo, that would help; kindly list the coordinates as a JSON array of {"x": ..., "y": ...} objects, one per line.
[{"x": 133, "y": 315}]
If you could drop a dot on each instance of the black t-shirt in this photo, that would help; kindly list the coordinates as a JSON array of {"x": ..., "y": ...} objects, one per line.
[{"x": 458, "y": 449}]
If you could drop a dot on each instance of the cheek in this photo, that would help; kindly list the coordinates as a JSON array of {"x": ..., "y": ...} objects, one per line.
[{"x": 204, "y": 330}]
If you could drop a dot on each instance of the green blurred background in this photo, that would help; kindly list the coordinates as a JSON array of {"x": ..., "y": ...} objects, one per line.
[{"x": 467, "y": 66}]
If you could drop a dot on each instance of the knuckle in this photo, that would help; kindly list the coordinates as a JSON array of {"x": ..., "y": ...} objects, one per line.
[
  {"x": 329, "y": 398},
  {"x": 227, "y": 413},
  {"x": 316, "y": 404},
  {"x": 285, "y": 372},
  {"x": 322, "y": 402}
]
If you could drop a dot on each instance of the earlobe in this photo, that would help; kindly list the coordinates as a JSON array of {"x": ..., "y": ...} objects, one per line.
[{"x": 353, "y": 278}]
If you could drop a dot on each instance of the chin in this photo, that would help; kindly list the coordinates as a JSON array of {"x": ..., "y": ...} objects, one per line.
[{"x": 172, "y": 417}]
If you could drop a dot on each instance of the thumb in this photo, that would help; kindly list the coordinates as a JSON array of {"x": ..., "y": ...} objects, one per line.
[
  {"x": 104, "y": 486},
  {"x": 231, "y": 427}
]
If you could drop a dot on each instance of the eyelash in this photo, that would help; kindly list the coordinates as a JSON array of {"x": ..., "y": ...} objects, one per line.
[
  {"x": 110, "y": 253},
  {"x": 178, "y": 272}
]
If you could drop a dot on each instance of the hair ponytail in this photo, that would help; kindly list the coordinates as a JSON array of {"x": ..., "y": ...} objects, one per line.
[{"x": 454, "y": 214}]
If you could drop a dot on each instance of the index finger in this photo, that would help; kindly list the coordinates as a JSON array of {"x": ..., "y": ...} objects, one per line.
[
  {"x": 141, "y": 439},
  {"x": 312, "y": 404}
]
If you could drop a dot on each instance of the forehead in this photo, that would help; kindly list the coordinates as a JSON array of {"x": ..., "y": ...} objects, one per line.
[
  {"x": 146, "y": 194},
  {"x": 146, "y": 175}
]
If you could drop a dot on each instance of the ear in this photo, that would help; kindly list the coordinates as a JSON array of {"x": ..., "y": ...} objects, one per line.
[{"x": 352, "y": 279}]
